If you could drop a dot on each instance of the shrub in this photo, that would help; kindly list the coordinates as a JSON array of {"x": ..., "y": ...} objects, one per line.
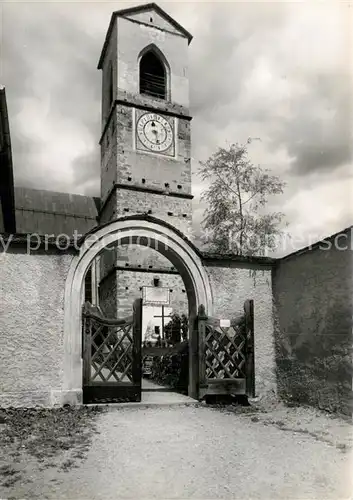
[
  {"x": 177, "y": 329},
  {"x": 173, "y": 369}
]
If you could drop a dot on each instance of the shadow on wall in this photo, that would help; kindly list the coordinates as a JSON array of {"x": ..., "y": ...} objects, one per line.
[{"x": 314, "y": 357}]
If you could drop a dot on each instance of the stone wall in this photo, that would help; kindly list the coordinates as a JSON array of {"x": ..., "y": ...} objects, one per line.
[
  {"x": 133, "y": 180},
  {"x": 133, "y": 38},
  {"x": 32, "y": 300},
  {"x": 31, "y": 326},
  {"x": 135, "y": 165},
  {"x": 313, "y": 304},
  {"x": 130, "y": 288},
  {"x": 107, "y": 296},
  {"x": 121, "y": 288},
  {"x": 175, "y": 211},
  {"x": 121, "y": 163},
  {"x": 109, "y": 154},
  {"x": 232, "y": 283},
  {"x": 109, "y": 69}
]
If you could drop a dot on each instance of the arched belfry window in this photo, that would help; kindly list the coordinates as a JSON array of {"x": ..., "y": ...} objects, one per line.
[{"x": 153, "y": 75}]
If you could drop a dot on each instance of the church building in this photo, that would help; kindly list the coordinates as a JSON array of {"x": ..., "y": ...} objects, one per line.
[
  {"x": 294, "y": 336},
  {"x": 145, "y": 162},
  {"x": 145, "y": 147}
]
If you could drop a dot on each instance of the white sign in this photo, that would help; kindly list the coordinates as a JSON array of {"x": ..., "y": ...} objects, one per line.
[
  {"x": 155, "y": 295},
  {"x": 224, "y": 323}
]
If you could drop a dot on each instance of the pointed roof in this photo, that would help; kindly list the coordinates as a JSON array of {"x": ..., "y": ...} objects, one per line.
[{"x": 136, "y": 10}]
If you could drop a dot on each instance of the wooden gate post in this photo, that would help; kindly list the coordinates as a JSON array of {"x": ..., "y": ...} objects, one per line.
[
  {"x": 250, "y": 347},
  {"x": 86, "y": 345},
  {"x": 137, "y": 342},
  {"x": 193, "y": 389},
  {"x": 202, "y": 318}
]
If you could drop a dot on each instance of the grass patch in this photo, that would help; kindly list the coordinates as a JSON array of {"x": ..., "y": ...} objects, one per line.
[{"x": 58, "y": 437}]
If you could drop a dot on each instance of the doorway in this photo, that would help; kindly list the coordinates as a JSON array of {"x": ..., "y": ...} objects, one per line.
[
  {"x": 141, "y": 230},
  {"x": 165, "y": 344}
]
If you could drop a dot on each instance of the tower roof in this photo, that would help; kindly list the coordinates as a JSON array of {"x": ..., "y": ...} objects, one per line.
[{"x": 137, "y": 10}]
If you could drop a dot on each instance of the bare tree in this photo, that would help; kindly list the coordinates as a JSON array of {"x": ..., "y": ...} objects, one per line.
[{"x": 235, "y": 220}]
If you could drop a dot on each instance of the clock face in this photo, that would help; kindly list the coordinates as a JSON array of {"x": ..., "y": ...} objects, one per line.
[{"x": 155, "y": 133}]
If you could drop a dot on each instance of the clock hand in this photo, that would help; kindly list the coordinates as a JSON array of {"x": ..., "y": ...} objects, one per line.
[{"x": 155, "y": 132}]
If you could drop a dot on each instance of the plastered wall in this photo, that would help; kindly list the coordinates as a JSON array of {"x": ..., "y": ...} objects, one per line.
[
  {"x": 233, "y": 283},
  {"x": 31, "y": 326},
  {"x": 32, "y": 313},
  {"x": 313, "y": 294}
]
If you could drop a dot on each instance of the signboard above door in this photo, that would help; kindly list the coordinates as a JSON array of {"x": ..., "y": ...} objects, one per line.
[{"x": 155, "y": 295}]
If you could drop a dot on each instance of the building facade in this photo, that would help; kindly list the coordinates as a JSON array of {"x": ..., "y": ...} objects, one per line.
[
  {"x": 302, "y": 302},
  {"x": 145, "y": 148}
]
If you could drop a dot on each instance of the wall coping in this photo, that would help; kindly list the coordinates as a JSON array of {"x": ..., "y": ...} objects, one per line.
[
  {"x": 208, "y": 258},
  {"x": 217, "y": 258},
  {"x": 21, "y": 240},
  {"x": 316, "y": 245}
]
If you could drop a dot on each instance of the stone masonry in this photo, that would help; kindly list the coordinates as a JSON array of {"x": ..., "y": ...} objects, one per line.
[{"x": 134, "y": 180}]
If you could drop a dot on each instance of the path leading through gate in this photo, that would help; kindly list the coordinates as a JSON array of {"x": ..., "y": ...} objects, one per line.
[
  {"x": 219, "y": 353},
  {"x": 187, "y": 452}
]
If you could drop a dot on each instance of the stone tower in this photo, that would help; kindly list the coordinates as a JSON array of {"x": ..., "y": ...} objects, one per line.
[{"x": 145, "y": 144}]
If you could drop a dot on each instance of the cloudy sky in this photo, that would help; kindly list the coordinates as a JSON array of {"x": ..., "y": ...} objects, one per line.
[{"x": 278, "y": 71}]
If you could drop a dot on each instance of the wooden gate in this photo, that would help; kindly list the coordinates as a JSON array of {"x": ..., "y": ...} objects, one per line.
[
  {"x": 226, "y": 354},
  {"x": 111, "y": 356}
]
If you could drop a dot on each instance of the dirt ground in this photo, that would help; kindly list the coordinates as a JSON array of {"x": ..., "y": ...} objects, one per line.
[{"x": 181, "y": 452}]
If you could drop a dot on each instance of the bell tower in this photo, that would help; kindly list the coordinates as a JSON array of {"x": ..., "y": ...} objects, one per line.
[
  {"x": 145, "y": 145},
  {"x": 145, "y": 141}
]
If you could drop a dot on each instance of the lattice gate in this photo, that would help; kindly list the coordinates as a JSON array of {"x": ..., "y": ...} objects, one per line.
[
  {"x": 111, "y": 356},
  {"x": 226, "y": 354}
]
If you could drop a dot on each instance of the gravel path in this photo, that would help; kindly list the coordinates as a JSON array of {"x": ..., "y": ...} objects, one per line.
[{"x": 204, "y": 453}]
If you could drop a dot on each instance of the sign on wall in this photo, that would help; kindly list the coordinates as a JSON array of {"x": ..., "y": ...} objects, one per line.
[{"x": 154, "y": 295}]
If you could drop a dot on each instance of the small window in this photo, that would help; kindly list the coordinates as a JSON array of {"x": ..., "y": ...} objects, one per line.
[{"x": 152, "y": 76}]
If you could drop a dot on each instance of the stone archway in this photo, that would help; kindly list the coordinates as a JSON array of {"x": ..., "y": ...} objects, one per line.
[{"x": 146, "y": 231}]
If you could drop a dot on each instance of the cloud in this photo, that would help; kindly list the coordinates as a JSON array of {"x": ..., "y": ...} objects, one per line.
[
  {"x": 53, "y": 92},
  {"x": 281, "y": 73},
  {"x": 318, "y": 133},
  {"x": 87, "y": 173}
]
